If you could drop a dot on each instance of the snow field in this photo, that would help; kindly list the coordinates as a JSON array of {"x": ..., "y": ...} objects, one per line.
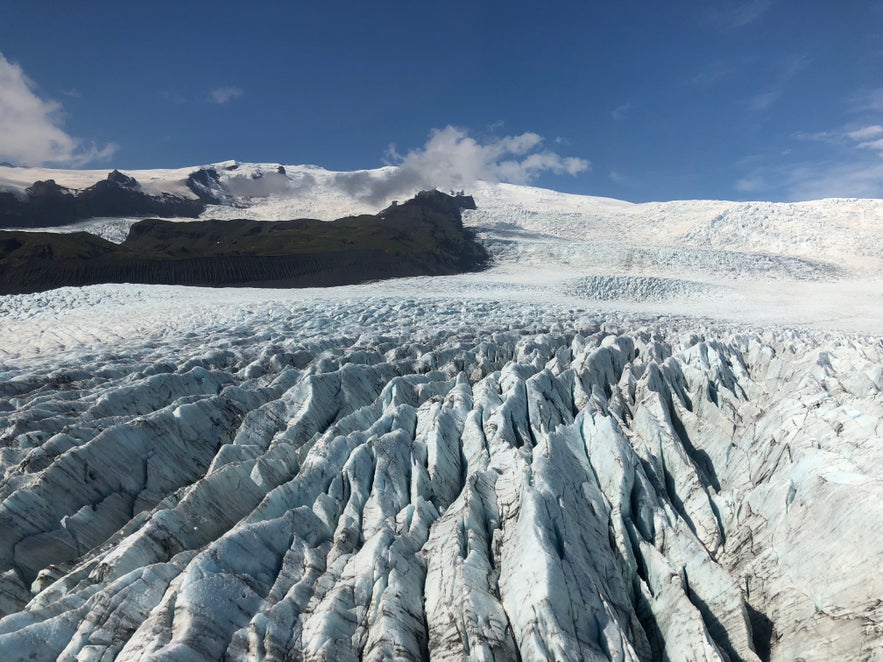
[{"x": 647, "y": 430}]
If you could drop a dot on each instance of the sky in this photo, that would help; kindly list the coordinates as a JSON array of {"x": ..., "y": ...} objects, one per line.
[{"x": 637, "y": 100}]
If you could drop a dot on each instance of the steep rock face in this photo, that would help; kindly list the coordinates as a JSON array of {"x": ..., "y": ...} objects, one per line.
[
  {"x": 436, "y": 200},
  {"x": 46, "y": 204},
  {"x": 43, "y": 203},
  {"x": 205, "y": 184},
  {"x": 120, "y": 195},
  {"x": 582, "y": 493}
]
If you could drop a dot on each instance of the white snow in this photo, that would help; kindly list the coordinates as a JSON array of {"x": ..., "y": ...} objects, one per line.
[
  {"x": 152, "y": 182},
  {"x": 647, "y": 429}
]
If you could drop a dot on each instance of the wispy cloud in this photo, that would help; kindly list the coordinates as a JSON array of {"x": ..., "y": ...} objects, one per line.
[
  {"x": 842, "y": 161},
  {"x": 852, "y": 167},
  {"x": 617, "y": 177},
  {"x": 814, "y": 180},
  {"x": 452, "y": 159},
  {"x": 867, "y": 101},
  {"x": 620, "y": 112},
  {"x": 716, "y": 70},
  {"x": 876, "y": 145},
  {"x": 842, "y": 180},
  {"x": 784, "y": 70},
  {"x": 866, "y": 132},
  {"x": 764, "y": 100},
  {"x": 31, "y": 130},
  {"x": 173, "y": 97},
  {"x": 729, "y": 15},
  {"x": 791, "y": 66},
  {"x": 861, "y": 171},
  {"x": 862, "y": 136},
  {"x": 868, "y": 137},
  {"x": 829, "y": 137},
  {"x": 223, "y": 95}
]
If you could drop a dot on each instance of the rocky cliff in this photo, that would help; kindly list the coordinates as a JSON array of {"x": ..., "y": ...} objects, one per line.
[
  {"x": 424, "y": 236},
  {"x": 46, "y": 204}
]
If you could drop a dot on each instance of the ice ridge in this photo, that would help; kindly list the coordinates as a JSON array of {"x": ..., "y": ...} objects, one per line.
[{"x": 576, "y": 491}]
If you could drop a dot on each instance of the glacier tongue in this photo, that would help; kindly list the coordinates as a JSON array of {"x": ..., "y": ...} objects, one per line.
[{"x": 572, "y": 490}]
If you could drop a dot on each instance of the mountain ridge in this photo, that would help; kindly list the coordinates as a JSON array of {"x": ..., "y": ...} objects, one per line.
[{"x": 423, "y": 236}]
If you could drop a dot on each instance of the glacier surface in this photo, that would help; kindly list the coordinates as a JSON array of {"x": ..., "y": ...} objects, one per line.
[{"x": 652, "y": 447}]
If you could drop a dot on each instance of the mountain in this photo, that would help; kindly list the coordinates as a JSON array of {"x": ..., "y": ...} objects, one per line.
[
  {"x": 46, "y": 203},
  {"x": 645, "y": 432},
  {"x": 423, "y": 236}
]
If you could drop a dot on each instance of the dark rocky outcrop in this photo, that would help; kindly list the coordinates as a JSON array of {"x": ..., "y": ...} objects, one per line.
[
  {"x": 46, "y": 204},
  {"x": 43, "y": 203},
  {"x": 120, "y": 195},
  {"x": 423, "y": 236},
  {"x": 437, "y": 201},
  {"x": 205, "y": 184}
]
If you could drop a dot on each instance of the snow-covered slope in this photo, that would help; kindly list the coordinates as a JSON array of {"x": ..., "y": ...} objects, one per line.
[
  {"x": 616, "y": 444},
  {"x": 154, "y": 182},
  {"x": 841, "y": 232},
  {"x": 817, "y": 262}
]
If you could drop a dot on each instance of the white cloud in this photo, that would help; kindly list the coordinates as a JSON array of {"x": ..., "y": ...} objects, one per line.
[
  {"x": 764, "y": 100},
  {"x": 30, "y": 127},
  {"x": 864, "y": 137},
  {"x": 752, "y": 183},
  {"x": 714, "y": 71},
  {"x": 872, "y": 144},
  {"x": 173, "y": 97},
  {"x": 813, "y": 180},
  {"x": 867, "y": 137},
  {"x": 791, "y": 66},
  {"x": 866, "y": 132},
  {"x": 829, "y": 137},
  {"x": 620, "y": 111},
  {"x": 786, "y": 69},
  {"x": 451, "y": 159},
  {"x": 851, "y": 167},
  {"x": 222, "y": 95},
  {"x": 844, "y": 180},
  {"x": 735, "y": 14},
  {"x": 867, "y": 101}
]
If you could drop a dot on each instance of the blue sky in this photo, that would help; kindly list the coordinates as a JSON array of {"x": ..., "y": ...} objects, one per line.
[{"x": 735, "y": 99}]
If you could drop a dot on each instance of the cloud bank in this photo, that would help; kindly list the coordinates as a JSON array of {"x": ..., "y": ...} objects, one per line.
[
  {"x": 451, "y": 159},
  {"x": 30, "y": 127}
]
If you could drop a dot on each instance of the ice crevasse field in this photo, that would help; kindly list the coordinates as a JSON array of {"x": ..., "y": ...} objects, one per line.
[{"x": 647, "y": 431}]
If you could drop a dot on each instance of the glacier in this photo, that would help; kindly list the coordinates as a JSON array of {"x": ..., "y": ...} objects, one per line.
[{"x": 618, "y": 443}]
